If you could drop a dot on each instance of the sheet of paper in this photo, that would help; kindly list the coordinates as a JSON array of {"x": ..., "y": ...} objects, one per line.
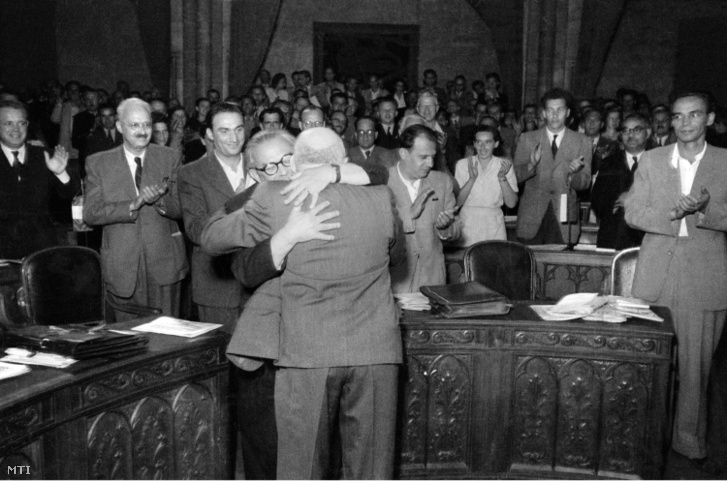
[
  {"x": 413, "y": 301},
  {"x": 23, "y": 356},
  {"x": 8, "y": 370},
  {"x": 563, "y": 208},
  {"x": 177, "y": 327}
]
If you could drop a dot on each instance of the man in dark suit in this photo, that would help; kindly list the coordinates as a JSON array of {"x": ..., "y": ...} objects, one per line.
[
  {"x": 614, "y": 179},
  {"x": 105, "y": 136},
  {"x": 204, "y": 186},
  {"x": 28, "y": 176},
  {"x": 679, "y": 198},
  {"x": 553, "y": 163},
  {"x": 339, "y": 348},
  {"x": 602, "y": 147},
  {"x": 661, "y": 134},
  {"x": 84, "y": 122},
  {"x": 387, "y": 129},
  {"x": 131, "y": 192},
  {"x": 365, "y": 152}
]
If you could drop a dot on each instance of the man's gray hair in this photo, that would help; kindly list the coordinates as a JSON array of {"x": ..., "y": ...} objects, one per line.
[
  {"x": 131, "y": 103},
  {"x": 261, "y": 138},
  {"x": 319, "y": 145}
]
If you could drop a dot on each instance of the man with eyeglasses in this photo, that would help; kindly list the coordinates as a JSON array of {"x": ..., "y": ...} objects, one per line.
[
  {"x": 132, "y": 192},
  {"x": 679, "y": 198},
  {"x": 28, "y": 176},
  {"x": 615, "y": 177},
  {"x": 553, "y": 163},
  {"x": 366, "y": 152},
  {"x": 311, "y": 117}
]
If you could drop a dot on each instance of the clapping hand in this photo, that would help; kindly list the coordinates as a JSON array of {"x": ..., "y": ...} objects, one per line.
[
  {"x": 505, "y": 166},
  {"x": 576, "y": 165},
  {"x": 149, "y": 194},
  {"x": 534, "y": 157},
  {"x": 474, "y": 171},
  {"x": 444, "y": 219},
  {"x": 57, "y": 164},
  {"x": 689, "y": 204},
  {"x": 418, "y": 206}
]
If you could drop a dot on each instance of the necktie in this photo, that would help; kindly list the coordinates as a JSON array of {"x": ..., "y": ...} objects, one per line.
[
  {"x": 368, "y": 154},
  {"x": 137, "y": 176},
  {"x": 636, "y": 164},
  {"x": 108, "y": 136},
  {"x": 17, "y": 166},
  {"x": 554, "y": 146}
]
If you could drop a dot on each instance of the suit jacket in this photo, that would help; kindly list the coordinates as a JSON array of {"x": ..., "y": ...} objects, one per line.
[
  {"x": 337, "y": 308},
  {"x": 379, "y": 156},
  {"x": 614, "y": 179},
  {"x": 550, "y": 180},
  {"x": 653, "y": 140},
  {"x": 25, "y": 223},
  {"x": 385, "y": 140},
  {"x": 203, "y": 189},
  {"x": 424, "y": 255},
  {"x": 655, "y": 192},
  {"x": 150, "y": 234},
  {"x": 99, "y": 142}
]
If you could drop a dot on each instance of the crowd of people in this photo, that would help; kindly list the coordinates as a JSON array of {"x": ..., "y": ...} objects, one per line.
[{"x": 296, "y": 243}]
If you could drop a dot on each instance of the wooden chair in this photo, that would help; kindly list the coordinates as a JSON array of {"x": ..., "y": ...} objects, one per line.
[
  {"x": 64, "y": 285},
  {"x": 623, "y": 268},
  {"x": 505, "y": 266}
]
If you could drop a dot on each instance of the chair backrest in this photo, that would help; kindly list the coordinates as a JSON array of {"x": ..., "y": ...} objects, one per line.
[
  {"x": 507, "y": 267},
  {"x": 63, "y": 285},
  {"x": 623, "y": 268}
]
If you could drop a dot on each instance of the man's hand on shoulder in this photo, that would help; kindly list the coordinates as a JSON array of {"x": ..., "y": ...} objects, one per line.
[{"x": 310, "y": 181}]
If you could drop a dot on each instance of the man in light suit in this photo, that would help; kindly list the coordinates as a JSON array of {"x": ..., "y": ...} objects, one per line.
[
  {"x": 425, "y": 202},
  {"x": 339, "y": 345},
  {"x": 204, "y": 186},
  {"x": 131, "y": 191},
  {"x": 28, "y": 176},
  {"x": 679, "y": 197},
  {"x": 552, "y": 162},
  {"x": 365, "y": 152}
]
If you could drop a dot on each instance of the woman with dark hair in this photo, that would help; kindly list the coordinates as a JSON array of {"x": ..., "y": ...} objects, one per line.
[{"x": 279, "y": 86}]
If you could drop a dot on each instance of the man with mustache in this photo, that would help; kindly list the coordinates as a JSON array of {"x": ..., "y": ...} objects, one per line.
[{"x": 131, "y": 191}]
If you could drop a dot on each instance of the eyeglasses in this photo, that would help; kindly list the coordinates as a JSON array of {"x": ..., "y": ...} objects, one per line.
[
  {"x": 311, "y": 123},
  {"x": 365, "y": 132},
  {"x": 635, "y": 130},
  {"x": 139, "y": 125},
  {"x": 9, "y": 124},
  {"x": 272, "y": 167}
]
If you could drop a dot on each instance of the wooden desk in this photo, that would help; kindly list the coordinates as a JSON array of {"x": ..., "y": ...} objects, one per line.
[
  {"x": 158, "y": 415},
  {"x": 516, "y": 396},
  {"x": 559, "y": 272}
]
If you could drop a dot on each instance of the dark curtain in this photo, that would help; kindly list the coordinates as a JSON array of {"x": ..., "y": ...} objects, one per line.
[
  {"x": 153, "y": 16},
  {"x": 253, "y": 26},
  {"x": 598, "y": 27}
]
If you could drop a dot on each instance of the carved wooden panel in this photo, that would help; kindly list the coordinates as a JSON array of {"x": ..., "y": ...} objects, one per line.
[
  {"x": 25, "y": 463},
  {"x": 437, "y": 404},
  {"x": 152, "y": 436},
  {"x": 194, "y": 411},
  {"x": 626, "y": 397},
  {"x": 578, "y": 416},
  {"x": 535, "y": 401},
  {"x": 19, "y": 421},
  {"x": 109, "y": 447}
]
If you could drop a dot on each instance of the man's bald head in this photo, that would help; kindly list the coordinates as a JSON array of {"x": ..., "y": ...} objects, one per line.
[{"x": 319, "y": 145}]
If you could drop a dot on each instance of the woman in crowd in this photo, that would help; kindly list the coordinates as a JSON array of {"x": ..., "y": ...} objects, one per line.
[
  {"x": 486, "y": 183},
  {"x": 280, "y": 87},
  {"x": 613, "y": 123}
]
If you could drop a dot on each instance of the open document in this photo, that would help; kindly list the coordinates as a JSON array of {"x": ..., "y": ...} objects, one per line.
[
  {"x": 177, "y": 327},
  {"x": 592, "y": 307}
]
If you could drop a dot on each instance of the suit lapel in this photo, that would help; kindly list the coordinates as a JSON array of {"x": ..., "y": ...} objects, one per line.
[
  {"x": 705, "y": 172},
  {"x": 217, "y": 177},
  {"x": 122, "y": 172}
]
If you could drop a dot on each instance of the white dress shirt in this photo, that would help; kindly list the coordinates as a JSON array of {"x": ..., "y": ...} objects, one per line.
[{"x": 687, "y": 171}]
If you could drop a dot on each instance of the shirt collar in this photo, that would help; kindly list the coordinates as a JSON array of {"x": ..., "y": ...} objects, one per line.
[
  {"x": 9, "y": 153},
  {"x": 130, "y": 157},
  {"x": 553, "y": 134},
  {"x": 675, "y": 155},
  {"x": 414, "y": 185}
]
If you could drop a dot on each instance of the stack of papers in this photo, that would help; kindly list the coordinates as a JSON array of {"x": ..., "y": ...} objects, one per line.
[
  {"x": 177, "y": 327},
  {"x": 25, "y": 356},
  {"x": 11, "y": 370},
  {"x": 413, "y": 301},
  {"x": 592, "y": 307}
]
